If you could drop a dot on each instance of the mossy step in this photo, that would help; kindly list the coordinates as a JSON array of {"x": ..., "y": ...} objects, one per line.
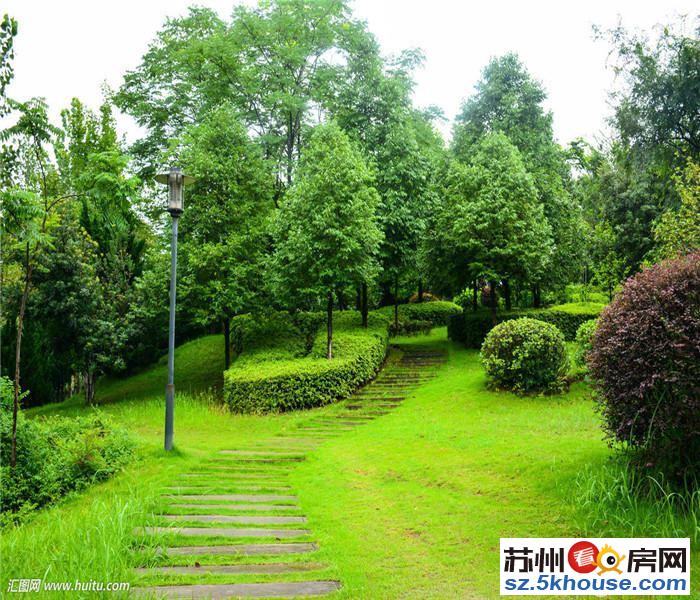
[
  {"x": 243, "y": 549},
  {"x": 242, "y": 590},
  {"x": 262, "y": 453},
  {"x": 261, "y": 569},
  {"x": 242, "y": 519},
  {"x": 257, "y": 507},
  {"x": 236, "y": 497},
  {"x": 230, "y": 532}
]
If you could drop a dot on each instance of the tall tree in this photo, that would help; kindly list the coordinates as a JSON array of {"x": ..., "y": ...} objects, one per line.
[
  {"x": 272, "y": 62},
  {"x": 225, "y": 227},
  {"x": 8, "y": 31},
  {"x": 28, "y": 207},
  {"x": 509, "y": 100},
  {"x": 327, "y": 230},
  {"x": 492, "y": 221}
]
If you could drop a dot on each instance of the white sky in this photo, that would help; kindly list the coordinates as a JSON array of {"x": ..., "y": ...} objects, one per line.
[{"x": 68, "y": 48}]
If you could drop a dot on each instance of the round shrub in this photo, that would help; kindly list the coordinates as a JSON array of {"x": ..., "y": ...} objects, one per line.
[
  {"x": 525, "y": 355},
  {"x": 645, "y": 361},
  {"x": 584, "y": 339}
]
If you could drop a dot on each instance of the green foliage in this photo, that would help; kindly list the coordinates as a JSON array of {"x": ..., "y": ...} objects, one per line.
[
  {"x": 435, "y": 314},
  {"x": 508, "y": 100},
  {"x": 8, "y": 31},
  {"x": 677, "y": 232},
  {"x": 584, "y": 342},
  {"x": 270, "y": 380},
  {"x": 55, "y": 456},
  {"x": 492, "y": 223},
  {"x": 471, "y": 327},
  {"x": 327, "y": 228},
  {"x": 525, "y": 355}
]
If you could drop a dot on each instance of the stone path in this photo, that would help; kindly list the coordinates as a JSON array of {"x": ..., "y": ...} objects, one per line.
[{"x": 237, "y": 517}]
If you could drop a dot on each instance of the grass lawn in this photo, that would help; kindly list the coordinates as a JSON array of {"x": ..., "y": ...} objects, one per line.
[{"x": 410, "y": 505}]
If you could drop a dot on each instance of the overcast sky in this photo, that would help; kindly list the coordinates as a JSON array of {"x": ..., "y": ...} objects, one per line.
[{"x": 69, "y": 48}]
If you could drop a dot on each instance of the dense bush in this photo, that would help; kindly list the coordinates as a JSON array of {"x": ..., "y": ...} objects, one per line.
[
  {"x": 645, "y": 360},
  {"x": 437, "y": 312},
  {"x": 268, "y": 381},
  {"x": 410, "y": 327},
  {"x": 525, "y": 355},
  {"x": 471, "y": 327},
  {"x": 56, "y": 456},
  {"x": 584, "y": 340}
]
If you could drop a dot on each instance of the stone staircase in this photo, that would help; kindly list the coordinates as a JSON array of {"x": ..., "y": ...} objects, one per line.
[{"x": 234, "y": 528}]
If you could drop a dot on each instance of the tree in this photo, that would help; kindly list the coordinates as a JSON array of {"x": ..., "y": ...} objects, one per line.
[
  {"x": 508, "y": 100},
  {"x": 225, "y": 226},
  {"x": 327, "y": 231},
  {"x": 404, "y": 182},
  {"x": 8, "y": 31},
  {"x": 272, "y": 62},
  {"x": 491, "y": 220},
  {"x": 609, "y": 268},
  {"x": 28, "y": 208},
  {"x": 677, "y": 232}
]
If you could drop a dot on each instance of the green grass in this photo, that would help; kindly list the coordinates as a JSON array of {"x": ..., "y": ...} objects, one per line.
[
  {"x": 577, "y": 308},
  {"x": 199, "y": 366},
  {"x": 411, "y": 505}
]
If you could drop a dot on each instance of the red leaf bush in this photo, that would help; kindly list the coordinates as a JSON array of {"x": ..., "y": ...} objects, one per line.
[{"x": 645, "y": 361}]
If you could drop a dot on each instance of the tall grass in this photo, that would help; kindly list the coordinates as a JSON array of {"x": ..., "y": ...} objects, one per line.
[{"x": 615, "y": 499}]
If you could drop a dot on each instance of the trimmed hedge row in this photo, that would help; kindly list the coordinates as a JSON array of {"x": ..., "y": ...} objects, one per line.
[
  {"x": 471, "y": 328},
  {"x": 267, "y": 381},
  {"x": 437, "y": 312}
]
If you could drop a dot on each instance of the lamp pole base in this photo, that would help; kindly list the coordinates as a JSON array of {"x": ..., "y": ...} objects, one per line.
[{"x": 169, "y": 413}]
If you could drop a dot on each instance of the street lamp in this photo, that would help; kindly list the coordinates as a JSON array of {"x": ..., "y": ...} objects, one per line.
[{"x": 176, "y": 181}]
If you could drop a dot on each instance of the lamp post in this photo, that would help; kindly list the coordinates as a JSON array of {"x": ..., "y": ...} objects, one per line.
[{"x": 176, "y": 181}]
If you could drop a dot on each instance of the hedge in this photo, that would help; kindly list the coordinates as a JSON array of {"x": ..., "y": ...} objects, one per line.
[
  {"x": 267, "y": 381},
  {"x": 437, "y": 312},
  {"x": 471, "y": 328}
]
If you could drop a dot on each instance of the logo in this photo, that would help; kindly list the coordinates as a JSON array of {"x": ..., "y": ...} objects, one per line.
[
  {"x": 595, "y": 566},
  {"x": 609, "y": 560},
  {"x": 583, "y": 557}
]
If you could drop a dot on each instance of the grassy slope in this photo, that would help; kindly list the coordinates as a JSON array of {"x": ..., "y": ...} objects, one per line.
[
  {"x": 414, "y": 503},
  {"x": 410, "y": 505}
]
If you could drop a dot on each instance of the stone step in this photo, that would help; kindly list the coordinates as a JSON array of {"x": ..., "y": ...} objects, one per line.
[
  {"x": 187, "y": 489},
  {"x": 242, "y": 519},
  {"x": 223, "y": 474},
  {"x": 243, "y": 549},
  {"x": 230, "y": 532},
  {"x": 257, "y": 507},
  {"x": 267, "y": 568},
  {"x": 236, "y": 497},
  {"x": 263, "y": 453},
  {"x": 242, "y": 590},
  {"x": 266, "y": 461}
]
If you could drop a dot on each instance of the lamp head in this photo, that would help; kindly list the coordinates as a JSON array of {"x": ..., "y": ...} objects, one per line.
[{"x": 176, "y": 180}]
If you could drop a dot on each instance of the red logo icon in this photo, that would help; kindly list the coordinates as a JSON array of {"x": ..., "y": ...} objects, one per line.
[{"x": 582, "y": 557}]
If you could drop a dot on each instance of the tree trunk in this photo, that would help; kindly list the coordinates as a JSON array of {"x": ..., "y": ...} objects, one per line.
[
  {"x": 475, "y": 295},
  {"x": 506, "y": 294},
  {"x": 89, "y": 386},
  {"x": 329, "y": 326},
  {"x": 536, "y": 296},
  {"x": 18, "y": 354},
  {"x": 364, "y": 303},
  {"x": 358, "y": 300},
  {"x": 493, "y": 303},
  {"x": 396, "y": 305},
  {"x": 227, "y": 342},
  {"x": 420, "y": 290}
]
